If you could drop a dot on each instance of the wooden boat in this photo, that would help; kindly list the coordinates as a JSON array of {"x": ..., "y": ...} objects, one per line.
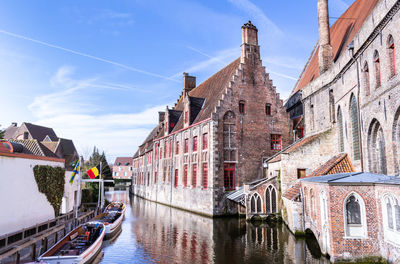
[
  {"x": 112, "y": 221},
  {"x": 81, "y": 245},
  {"x": 116, "y": 207}
]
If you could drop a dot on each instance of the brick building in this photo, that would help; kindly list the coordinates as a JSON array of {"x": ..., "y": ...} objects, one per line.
[
  {"x": 122, "y": 168},
  {"x": 213, "y": 139}
]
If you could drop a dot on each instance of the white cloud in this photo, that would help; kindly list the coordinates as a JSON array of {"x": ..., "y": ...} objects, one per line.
[{"x": 72, "y": 112}]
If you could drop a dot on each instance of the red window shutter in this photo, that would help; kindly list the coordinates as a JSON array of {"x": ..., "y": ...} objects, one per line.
[
  {"x": 186, "y": 145},
  {"x": 176, "y": 178},
  {"x": 185, "y": 176},
  {"x": 177, "y": 147},
  {"x": 205, "y": 175},
  {"x": 229, "y": 176},
  {"x": 195, "y": 144},
  {"x": 205, "y": 141},
  {"x": 194, "y": 175}
]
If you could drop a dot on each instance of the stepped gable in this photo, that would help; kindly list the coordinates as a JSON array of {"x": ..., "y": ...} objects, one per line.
[
  {"x": 210, "y": 91},
  {"x": 342, "y": 33}
]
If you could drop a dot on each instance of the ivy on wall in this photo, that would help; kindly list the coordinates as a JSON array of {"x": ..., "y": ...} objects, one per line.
[{"x": 50, "y": 181}]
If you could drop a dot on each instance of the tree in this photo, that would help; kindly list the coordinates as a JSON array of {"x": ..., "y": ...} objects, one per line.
[{"x": 2, "y": 133}]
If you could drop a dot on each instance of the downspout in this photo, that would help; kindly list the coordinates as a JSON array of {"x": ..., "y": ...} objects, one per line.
[{"x": 303, "y": 211}]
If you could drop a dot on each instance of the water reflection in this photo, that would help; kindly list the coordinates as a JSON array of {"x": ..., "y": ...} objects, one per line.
[{"x": 154, "y": 233}]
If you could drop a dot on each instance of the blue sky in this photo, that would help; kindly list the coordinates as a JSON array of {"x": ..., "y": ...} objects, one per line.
[{"x": 98, "y": 71}]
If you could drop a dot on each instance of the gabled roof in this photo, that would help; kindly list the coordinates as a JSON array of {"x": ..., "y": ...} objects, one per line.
[
  {"x": 34, "y": 147},
  {"x": 123, "y": 161},
  {"x": 40, "y": 132},
  {"x": 210, "y": 91},
  {"x": 340, "y": 163},
  {"x": 10, "y": 131},
  {"x": 342, "y": 33}
]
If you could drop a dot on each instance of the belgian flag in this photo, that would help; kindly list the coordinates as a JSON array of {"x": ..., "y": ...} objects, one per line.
[{"x": 94, "y": 172}]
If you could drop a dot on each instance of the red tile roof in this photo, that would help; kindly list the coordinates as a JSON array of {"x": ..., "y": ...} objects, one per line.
[
  {"x": 340, "y": 163},
  {"x": 342, "y": 33},
  {"x": 293, "y": 192},
  {"x": 123, "y": 161}
]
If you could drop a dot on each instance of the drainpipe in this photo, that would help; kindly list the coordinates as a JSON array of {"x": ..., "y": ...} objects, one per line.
[{"x": 302, "y": 207}]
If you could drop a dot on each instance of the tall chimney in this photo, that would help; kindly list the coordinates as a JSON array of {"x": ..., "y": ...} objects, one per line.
[
  {"x": 189, "y": 82},
  {"x": 249, "y": 41},
  {"x": 161, "y": 117},
  {"x": 325, "y": 54}
]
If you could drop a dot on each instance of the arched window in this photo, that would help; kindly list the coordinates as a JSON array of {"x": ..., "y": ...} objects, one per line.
[
  {"x": 256, "y": 203},
  {"x": 377, "y": 67},
  {"x": 268, "y": 109},
  {"x": 391, "y": 55},
  {"x": 391, "y": 218},
  {"x": 270, "y": 199},
  {"x": 396, "y": 141},
  {"x": 332, "y": 106},
  {"x": 354, "y": 127},
  {"x": 366, "y": 78},
  {"x": 376, "y": 148},
  {"x": 340, "y": 128},
  {"x": 355, "y": 217}
]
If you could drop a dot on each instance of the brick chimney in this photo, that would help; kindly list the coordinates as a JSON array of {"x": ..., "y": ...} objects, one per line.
[
  {"x": 161, "y": 117},
  {"x": 325, "y": 54},
  {"x": 189, "y": 82},
  {"x": 249, "y": 41}
]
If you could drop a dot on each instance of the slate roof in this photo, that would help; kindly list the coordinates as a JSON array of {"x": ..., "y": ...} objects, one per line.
[
  {"x": 40, "y": 132},
  {"x": 10, "y": 131},
  {"x": 340, "y": 163},
  {"x": 355, "y": 178},
  {"x": 342, "y": 33},
  {"x": 123, "y": 161},
  {"x": 210, "y": 92}
]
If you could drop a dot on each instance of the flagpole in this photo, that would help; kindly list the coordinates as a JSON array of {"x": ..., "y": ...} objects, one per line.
[
  {"x": 98, "y": 200},
  {"x": 78, "y": 196}
]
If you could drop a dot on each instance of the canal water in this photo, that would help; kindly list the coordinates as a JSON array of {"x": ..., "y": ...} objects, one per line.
[{"x": 154, "y": 233}]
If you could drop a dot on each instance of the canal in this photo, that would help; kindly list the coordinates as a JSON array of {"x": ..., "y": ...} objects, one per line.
[{"x": 154, "y": 233}]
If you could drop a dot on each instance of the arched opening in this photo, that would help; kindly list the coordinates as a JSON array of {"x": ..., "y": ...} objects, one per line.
[
  {"x": 229, "y": 133},
  {"x": 366, "y": 78},
  {"x": 256, "y": 204},
  {"x": 391, "y": 55},
  {"x": 270, "y": 200},
  {"x": 391, "y": 218},
  {"x": 332, "y": 106},
  {"x": 354, "y": 216},
  {"x": 253, "y": 208},
  {"x": 354, "y": 127},
  {"x": 312, "y": 203},
  {"x": 376, "y": 148},
  {"x": 340, "y": 128},
  {"x": 377, "y": 67}
]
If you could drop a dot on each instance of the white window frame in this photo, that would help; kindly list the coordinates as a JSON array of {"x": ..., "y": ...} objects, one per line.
[
  {"x": 390, "y": 235},
  {"x": 361, "y": 229}
]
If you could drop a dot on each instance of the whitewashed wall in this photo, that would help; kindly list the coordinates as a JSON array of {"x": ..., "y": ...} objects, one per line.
[{"x": 22, "y": 205}]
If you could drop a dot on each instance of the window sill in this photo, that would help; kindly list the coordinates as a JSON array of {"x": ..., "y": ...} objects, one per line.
[{"x": 355, "y": 237}]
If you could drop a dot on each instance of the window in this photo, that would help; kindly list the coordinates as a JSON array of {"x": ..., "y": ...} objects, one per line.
[
  {"x": 377, "y": 66},
  {"x": 185, "y": 175},
  {"x": 229, "y": 127},
  {"x": 155, "y": 177},
  {"x": 376, "y": 148},
  {"x": 275, "y": 142},
  {"x": 391, "y": 218},
  {"x": 366, "y": 78},
  {"x": 392, "y": 56},
  {"x": 205, "y": 175},
  {"x": 176, "y": 178},
  {"x": 177, "y": 148},
  {"x": 332, "y": 106},
  {"x": 354, "y": 128},
  {"x": 256, "y": 204},
  {"x": 301, "y": 173},
  {"x": 186, "y": 145},
  {"x": 120, "y": 168},
  {"x": 157, "y": 150},
  {"x": 340, "y": 128},
  {"x": 312, "y": 117},
  {"x": 125, "y": 174},
  {"x": 194, "y": 175},
  {"x": 268, "y": 109},
  {"x": 241, "y": 107},
  {"x": 300, "y": 132},
  {"x": 354, "y": 214},
  {"x": 270, "y": 200},
  {"x": 194, "y": 143},
  {"x": 26, "y": 135},
  {"x": 165, "y": 149},
  {"x": 229, "y": 176},
  {"x": 205, "y": 141},
  {"x": 170, "y": 148}
]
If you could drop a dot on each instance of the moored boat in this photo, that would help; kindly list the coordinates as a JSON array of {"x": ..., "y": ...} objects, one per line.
[
  {"x": 116, "y": 207},
  {"x": 112, "y": 221},
  {"x": 81, "y": 245}
]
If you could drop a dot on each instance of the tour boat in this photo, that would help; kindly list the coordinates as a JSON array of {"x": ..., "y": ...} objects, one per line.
[
  {"x": 116, "y": 207},
  {"x": 112, "y": 221},
  {"x": 81, "y": 245}
]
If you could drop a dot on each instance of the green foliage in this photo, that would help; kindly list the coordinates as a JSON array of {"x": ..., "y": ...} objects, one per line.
[
  {"x": 51, "y": 181},
  {"x": 95, "y": 159},
  {"x": 2, "y": 133}
]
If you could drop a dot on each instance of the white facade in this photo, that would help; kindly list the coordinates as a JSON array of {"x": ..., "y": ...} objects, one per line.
[{"x": 22, "y": 203}]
